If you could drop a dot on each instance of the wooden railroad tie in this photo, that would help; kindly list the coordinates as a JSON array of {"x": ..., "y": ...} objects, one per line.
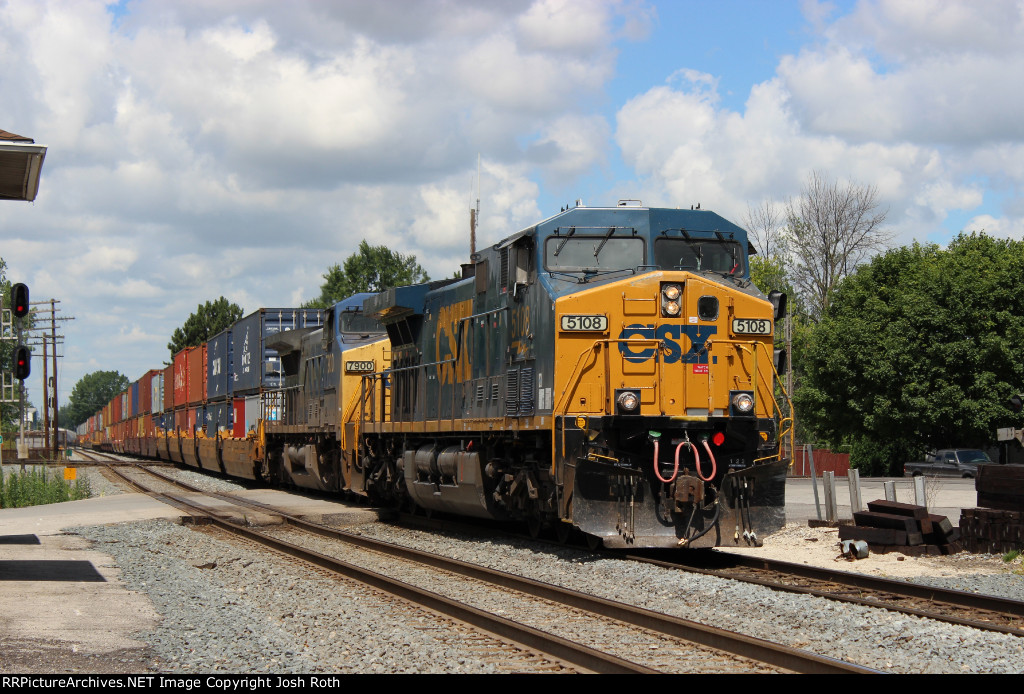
[
  {"x": 997, "y": 525},
  {"x": 890, "y": 526}
]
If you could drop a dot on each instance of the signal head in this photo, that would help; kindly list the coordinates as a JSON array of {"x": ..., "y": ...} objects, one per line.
[
  {"x": 22, "y": 362},
  {"x": 19, "y": 300}
]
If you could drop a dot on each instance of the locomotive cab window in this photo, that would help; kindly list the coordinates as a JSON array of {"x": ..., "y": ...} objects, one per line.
[
  {"x": 698, "y": 255},
  {"x": 574, "y": 253},
  {"x": 354, "y": 322}
]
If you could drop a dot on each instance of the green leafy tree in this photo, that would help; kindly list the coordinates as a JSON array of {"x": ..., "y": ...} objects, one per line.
[
  {"x": 90, "y": 394},
  {"x": 208, "y": 320},
  {"x": 370, "y": 269},
  {"x": 918, "y": 349}
]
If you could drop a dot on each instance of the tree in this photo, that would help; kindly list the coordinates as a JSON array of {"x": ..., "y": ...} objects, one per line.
[
  {"x": 830, "y": 230},
  {"x": 92, "y": 392},
  {"x": 208, "y": 320},
  {"x": 919, "y": 349},
  {"x": 370, "y": 269}
]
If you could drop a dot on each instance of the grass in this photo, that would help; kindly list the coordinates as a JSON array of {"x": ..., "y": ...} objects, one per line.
[
  {"x": 35, "y": 487},
  {"x": 1011, "y": 555}
]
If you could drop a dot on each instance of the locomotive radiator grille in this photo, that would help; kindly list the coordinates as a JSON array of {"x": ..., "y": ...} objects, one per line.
[{"x": 512, "y": 393}]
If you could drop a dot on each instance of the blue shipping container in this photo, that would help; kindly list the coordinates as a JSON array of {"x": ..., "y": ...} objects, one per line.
[
  {"x": 254, "y": 367},
  {"x": 218, "y": 418},
  {"x": 135, "y": 399},
  {"x": 219, "y": 354}
]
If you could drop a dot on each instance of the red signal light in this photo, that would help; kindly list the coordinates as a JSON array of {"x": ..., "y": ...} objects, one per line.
[
  {"x": 19, "y": 300},
  {"x": 22, "y": 362}
]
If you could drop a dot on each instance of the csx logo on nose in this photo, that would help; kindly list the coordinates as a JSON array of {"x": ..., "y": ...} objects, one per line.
[{"x": 668, "y": 334}]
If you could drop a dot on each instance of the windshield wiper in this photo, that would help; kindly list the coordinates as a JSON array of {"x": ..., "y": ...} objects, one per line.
[
  {"x": 564, "y": 241},
  {"x": 611, "y": 230}
]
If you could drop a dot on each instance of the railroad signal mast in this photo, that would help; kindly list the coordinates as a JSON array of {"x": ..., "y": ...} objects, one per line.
[
  {"x": 27, "y": 337},
  {"x": 22, "y": 358}
]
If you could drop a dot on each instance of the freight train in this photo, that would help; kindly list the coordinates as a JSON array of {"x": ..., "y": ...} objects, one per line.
[{"x": 609, "y": 370}]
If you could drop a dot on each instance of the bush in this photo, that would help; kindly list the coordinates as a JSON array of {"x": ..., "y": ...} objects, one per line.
[{"x": 36, "y": 486}]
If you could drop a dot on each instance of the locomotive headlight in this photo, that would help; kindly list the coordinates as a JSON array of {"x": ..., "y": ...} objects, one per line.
[
  {"x": 742, "y": 402},
  {"x": 670, "y": 296},
  {"x": 627, "y": 401}
]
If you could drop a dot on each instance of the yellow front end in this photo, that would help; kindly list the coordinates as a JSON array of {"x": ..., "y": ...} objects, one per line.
[
  {"x": 668, "y": 427},
  {"x": 684, "y": 365}
]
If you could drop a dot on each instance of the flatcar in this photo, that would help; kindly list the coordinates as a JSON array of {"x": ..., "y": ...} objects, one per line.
[{"x": 609, "y": 370}]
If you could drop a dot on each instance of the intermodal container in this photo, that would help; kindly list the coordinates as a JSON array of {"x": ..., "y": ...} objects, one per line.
[
  {"x": 168, "y": 387},
  {"x": 146, "y": 401},
  {"x": 218, "y": 366},
  {"x": 116, "y": 408},
  {"x": 238, "y": 418},
  {"x": 180, "y": 379},
  {"x": 133, "y": 400},
  {"x": 196, "y": 389},
  {"x": 218, "y": 417},
  {"x": 156, "y": 392},
  {"x": 255, "y": 367}
]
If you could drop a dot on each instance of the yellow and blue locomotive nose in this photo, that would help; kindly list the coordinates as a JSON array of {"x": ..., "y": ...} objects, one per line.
[
  {"x": 666, "y": 344},
  {"x": 668, "y": 414}
]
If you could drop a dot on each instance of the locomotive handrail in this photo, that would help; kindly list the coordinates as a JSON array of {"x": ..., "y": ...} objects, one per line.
[
  {"x": 770, "y": 384},
  {"x": 574, "y": 378}
]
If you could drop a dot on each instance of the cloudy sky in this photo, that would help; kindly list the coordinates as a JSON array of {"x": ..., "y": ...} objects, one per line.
[{"x": 240, "y": 147}]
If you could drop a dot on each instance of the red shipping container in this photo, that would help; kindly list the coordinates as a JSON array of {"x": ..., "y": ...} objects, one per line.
[
  {"x": 115, "y": 408},
  {"x": 146, "y": 391},
  {"x": 149, "y": 428},
  {"x": 169, "y": 388},
  {"x": 196, "y": 357},
  {"x": 181, "y": 379},
  {"x": 179, "y": 420},
  {"x": 238, "y": 405}
]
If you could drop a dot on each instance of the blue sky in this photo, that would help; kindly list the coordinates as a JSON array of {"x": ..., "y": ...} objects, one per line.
[{"x": 239, "y": 148}]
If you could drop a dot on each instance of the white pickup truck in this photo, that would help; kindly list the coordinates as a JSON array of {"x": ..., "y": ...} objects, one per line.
[{"x": 949, "y": 462}]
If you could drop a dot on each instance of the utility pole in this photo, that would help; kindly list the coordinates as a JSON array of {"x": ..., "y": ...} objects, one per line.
[
  {"x": 56, "y": 414},
  {"x": 47, "y": 336}
]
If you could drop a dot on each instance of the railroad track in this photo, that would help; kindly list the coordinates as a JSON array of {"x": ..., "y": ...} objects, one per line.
[
  {"x": 984, "y": 612},
  {"x": 634, "y": 640}
]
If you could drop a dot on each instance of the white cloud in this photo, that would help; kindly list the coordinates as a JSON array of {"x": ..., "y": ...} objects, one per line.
[{"x": 930, "y": 123}]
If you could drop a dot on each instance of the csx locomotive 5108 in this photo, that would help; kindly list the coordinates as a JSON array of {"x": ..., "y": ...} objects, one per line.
[{"x": 609, "y": 369}]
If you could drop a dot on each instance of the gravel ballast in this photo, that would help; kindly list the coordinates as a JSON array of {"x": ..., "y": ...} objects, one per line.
[
  {"x": 233, "y": 608},
  {"x": 228, "y": 608}
]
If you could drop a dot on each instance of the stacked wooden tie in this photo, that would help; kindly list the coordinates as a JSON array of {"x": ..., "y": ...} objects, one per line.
[
  {"x": 889, "y": 526},
  {"x": 997, "y": 525}
]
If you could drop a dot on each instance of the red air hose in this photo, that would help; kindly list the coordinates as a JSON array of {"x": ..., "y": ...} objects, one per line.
[
  {"x": 657, "y": 473},
  {"x": 714, "y": 465}
]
